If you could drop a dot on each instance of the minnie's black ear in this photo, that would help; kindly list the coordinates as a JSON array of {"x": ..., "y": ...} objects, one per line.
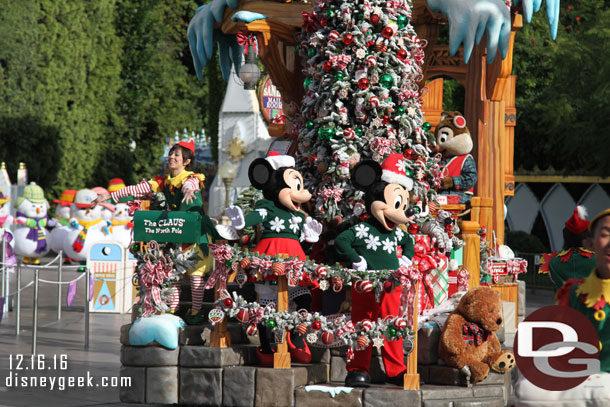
[
  {"x": 366, "y": 174},
  {"x": 259, "y": 173}
]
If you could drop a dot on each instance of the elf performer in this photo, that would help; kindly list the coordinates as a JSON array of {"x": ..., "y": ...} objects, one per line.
[
  {"x": 182, "y": 190},
  {"x": 590, "y": 295},
  {"x": 575, "y": 260},
  {"x": 285, "y": 225},
  {"x": 372, "y": 245}
]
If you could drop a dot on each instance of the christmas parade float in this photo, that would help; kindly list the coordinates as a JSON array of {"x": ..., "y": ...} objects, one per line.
[{"x": 361, "y": 95}]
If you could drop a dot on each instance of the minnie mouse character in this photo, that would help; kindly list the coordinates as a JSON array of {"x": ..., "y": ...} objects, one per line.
[
  {"x": 372, "y": 245},
  {"x": 284, "y": 226}
]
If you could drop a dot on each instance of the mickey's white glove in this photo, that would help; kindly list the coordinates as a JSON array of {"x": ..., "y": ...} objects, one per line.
[
  {"x": 360, "y": 265},
  {"x": 312, "y": 230},
  {"x": 404, "y": 261},
  {"x": 237, "y": 217}
]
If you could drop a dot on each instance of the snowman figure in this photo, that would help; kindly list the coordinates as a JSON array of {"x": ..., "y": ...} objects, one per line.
[
  {"x": 87, "y": 226},
  {"x": 122, "y": 225},
  {"x": 107, "y": 212},
  {"x": 6, "y": 237},
  {"x": 31, "y": 219},
  {"x": 62, "y": 220}
]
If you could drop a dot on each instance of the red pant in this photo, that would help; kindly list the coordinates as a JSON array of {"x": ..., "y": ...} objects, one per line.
[{"x": 364, "y": 306}]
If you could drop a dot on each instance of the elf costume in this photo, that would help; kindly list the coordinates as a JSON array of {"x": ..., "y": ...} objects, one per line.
[
  {"x": 574, "y": 261},
  {"x": 174, "y": 188},
  {"x": 589, "y": 296}
]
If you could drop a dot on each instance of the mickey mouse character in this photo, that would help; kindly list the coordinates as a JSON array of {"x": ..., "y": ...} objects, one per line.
[
  {"x": 372, "y": 245},
  {"x": 284, "y": 226},
  {"x": 455, "y": 143}
]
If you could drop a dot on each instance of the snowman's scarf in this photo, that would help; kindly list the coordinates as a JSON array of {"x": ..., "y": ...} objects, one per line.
[
  {"x": 36, "y": 234},
  {"x": 79, "y": 243}
]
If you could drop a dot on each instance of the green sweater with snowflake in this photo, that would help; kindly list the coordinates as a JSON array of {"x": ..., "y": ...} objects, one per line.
[
  {"x": 375, "y": 243},
  {"x": 277, "y": 222}
]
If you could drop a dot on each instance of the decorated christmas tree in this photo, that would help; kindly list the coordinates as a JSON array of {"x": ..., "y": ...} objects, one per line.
[{"x": 363, "y": 62}]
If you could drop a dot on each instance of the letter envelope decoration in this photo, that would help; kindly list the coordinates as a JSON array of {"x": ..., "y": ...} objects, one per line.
[{"x": 165, "y": 226}]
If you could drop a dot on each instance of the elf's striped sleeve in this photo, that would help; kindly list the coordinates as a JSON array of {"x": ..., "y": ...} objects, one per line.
[
  {"x": 138, "y": 191},
  {"x": 191, "y": 183}
]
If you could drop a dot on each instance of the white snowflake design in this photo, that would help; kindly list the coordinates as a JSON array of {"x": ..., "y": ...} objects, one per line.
[
  {"x": 401, "y": 165},
  {"x": 399, "y": 234},
  {"x": 277, "y": 224},
  {"x": 372, "y": 242},
  {"x": 294, "y": 224},
  {"x": 262, "y": 212},
  {"x": 388, "y": 245},
  {"x": 362, "y": 231}
]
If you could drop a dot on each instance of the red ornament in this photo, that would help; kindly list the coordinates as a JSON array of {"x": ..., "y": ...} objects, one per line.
[
  {"x": 366, "y": 324},
  {"x": 321, "y": 272},
  {"x": 387, "y": 32},
  {"x": 347, "y": 38},
  {"x": 370, "y": 43},
  {"x": 323, "y": 22},
  {"x": 400, "y": 323},
  {"x": 316, "y": 325},
  {"x": 366, "y": 286},
  {"x": 227, "y": 302},
  {"x": 251, "y": 330},
  {"x": 413, "y": 228},
  {"x": 386, "y": 119},
  {"x": 388, "y": 287},
  {"x": 278, "y": 269},
  {"x": 362, "y": 341},
  {"x": 349, "y": 133},
  {"x": 408, "y": 154},
  {"x": 402, "y": 54},
  {"x": 327, "y": 66},
  {"x": 301, "y": 329},
  {"x": 363, "y": 83},
  {"x": 448, "y": 227},
  {"x": 244, "y": 263},
  {"x": 374, "y": 19},
  {"x": 245, "y": 239},
  {"x": 328, "y": 338},
  {"x": 243, "y": 316}
]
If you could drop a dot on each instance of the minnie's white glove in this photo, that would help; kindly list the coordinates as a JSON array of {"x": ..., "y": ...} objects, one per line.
[
  {"x": 237, "y": 217},
  {"x": 312, "y": 230},
  {"x": 360, "y": 265}
]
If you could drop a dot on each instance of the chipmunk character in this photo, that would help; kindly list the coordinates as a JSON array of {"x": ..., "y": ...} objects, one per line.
[{"x": 455, "y": 143}]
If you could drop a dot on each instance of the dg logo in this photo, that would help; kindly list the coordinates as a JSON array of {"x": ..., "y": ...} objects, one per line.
[{"x": 556, "y": 348}]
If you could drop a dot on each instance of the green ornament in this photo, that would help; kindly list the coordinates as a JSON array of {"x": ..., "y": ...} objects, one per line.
[
  {"x": 326, "y": 133},
  {"x": 135, "y": 247},
  {"x": 391, "y": 331},
  {"x": 310, "y": 125},
  {"x": 386, "y": 81},
  {"x": 409, "y": 172},
  {"x": 307, "y": 82},
  {"x": 401, "y": 21},
  {"x": 311, "y": 52},
  {"x": 297, "y": 48},
  {"x": 400, "y": 111},
  {"x": 359, "y": 132},
  {"x": 329, "y": 14},
  {"x": 426, "y": 126},
  {"x": 360, "y": 16},
  {"x": 339, "y": 76},
  {"x": 271, "y": 323}
]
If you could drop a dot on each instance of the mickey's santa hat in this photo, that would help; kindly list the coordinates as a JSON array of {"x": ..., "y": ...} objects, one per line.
[
  {"x": 277, "y": 161},
  {"x": 394, "y": 171},
  {"x": 577, "y": 223}
]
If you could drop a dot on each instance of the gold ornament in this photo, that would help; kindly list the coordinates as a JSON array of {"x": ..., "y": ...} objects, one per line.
[{"x": 236, "y": 149}]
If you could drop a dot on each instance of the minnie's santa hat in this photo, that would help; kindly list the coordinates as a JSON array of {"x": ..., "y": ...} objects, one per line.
[
  {"x": 578, "y": 223},
  {"x": 277, "y": 161}
]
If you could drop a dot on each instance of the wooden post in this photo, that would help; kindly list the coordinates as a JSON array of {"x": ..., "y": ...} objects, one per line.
[
  {"x": 472, "y": 251},
  {"x": 411, "y": 379},
  {"x": 220, "y": 337},
  {"x": 281, "y": 359}
]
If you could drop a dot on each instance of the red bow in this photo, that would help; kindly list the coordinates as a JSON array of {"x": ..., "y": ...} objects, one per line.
[
  {"x": 332, "y": 193},
  {"x": 133, "y": 206},
  {"x": 339, "y": 61},
  {"x": 310, "y": 22},
  {"x": 152, "y": 275},
  {"x": 244, "y": 40}
]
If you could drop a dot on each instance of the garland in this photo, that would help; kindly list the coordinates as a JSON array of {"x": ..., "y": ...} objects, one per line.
[{"x": 320, "y": 330}]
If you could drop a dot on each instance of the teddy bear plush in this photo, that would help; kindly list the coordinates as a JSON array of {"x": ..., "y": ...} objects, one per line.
[{"x": 468, "y": 341}]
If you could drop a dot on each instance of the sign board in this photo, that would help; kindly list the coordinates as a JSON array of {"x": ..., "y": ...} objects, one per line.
[
  {"x": 106, "y": 261},
  {"x": 270, "y": 100},
  {"x": 166, "y": 226}
]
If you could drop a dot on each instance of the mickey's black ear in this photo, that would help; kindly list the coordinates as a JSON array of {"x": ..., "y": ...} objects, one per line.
[
  {"x": 366, "y": 174},
  {"x": 259, "y": 173}
]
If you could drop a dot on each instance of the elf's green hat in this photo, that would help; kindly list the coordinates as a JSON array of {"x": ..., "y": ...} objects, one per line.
[{"x": 32, "y": 193}]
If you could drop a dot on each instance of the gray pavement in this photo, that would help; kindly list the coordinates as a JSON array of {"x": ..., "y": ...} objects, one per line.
[{"x": 57, "y": 338}]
